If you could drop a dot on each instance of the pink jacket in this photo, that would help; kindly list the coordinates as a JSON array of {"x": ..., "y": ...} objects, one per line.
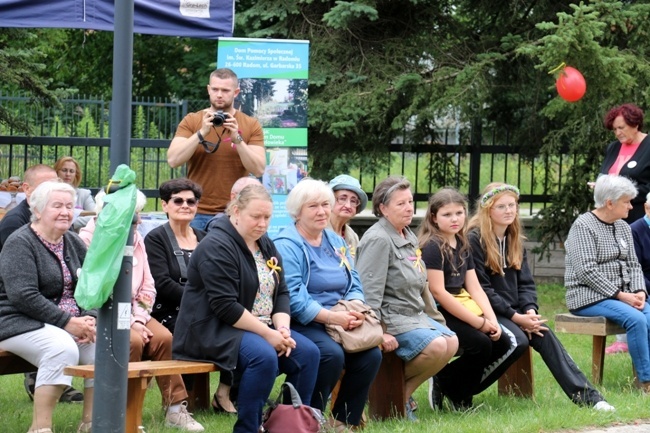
[{"x": 143, "y": 291}]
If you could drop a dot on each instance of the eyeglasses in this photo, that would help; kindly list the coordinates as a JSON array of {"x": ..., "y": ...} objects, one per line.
[
  {"x": 344, "y": 199},
  {"x": 191, "y": 202},
  {"x": 503, "y": 207}
]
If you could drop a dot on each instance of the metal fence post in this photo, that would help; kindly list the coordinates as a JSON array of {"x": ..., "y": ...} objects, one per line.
[{"x": 476, "y": 137}]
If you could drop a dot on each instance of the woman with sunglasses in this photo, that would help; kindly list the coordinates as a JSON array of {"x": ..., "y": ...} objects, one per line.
[{"x": 169, "y": 248}]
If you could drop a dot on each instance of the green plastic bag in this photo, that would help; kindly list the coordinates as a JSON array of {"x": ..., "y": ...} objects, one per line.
[{"x": 104, "y": 257}]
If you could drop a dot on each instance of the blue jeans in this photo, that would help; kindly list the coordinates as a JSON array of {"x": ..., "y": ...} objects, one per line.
[
  {"x": 259, "y": 364},
  {"x": 360, "y": 371},
  {"x": 200, "y": 221},
  {"x": 637, "y": 327}
]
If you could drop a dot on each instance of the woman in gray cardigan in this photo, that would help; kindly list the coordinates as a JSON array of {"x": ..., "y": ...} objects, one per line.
[{"x": 40, "y": 320}]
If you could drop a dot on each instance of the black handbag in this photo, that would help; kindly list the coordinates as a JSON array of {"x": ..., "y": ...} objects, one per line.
[{"x": 294, "y": 417}]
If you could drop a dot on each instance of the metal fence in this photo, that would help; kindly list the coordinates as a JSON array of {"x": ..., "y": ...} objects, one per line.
[{"x": 464, "y": 157}]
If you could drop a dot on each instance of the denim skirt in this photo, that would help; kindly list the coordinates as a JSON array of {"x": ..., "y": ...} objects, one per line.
[{"x": 411, "y": 343}]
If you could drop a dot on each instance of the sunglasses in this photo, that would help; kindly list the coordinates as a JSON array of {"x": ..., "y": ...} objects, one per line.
[{"x": 191, "y": 202}]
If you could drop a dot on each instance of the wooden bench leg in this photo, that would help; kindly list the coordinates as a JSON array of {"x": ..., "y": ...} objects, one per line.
[
  {"x": 598, "y": 359},
  {"x": 137, "y": 387},
  {"x": 198, "y": 395},
  {"x": 518, "y": 379},
  {"x": 387, "y": 393}
]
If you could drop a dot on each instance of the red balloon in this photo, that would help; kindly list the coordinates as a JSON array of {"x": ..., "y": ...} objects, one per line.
[{"x": 571, "y": 84}]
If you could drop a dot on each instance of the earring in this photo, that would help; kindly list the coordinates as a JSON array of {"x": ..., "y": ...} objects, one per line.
[{"x": 236, "y": 222}]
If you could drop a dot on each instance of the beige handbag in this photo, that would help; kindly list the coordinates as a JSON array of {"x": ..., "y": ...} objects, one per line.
[{"x": 370, "y": 334}]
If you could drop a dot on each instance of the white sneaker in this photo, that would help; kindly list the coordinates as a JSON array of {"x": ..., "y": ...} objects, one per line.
[
  {"x": 183, "y": 420},
  {"x": 603, "y": 406}
]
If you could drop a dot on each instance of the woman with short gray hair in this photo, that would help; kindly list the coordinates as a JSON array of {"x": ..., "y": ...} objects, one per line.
[
  {"x": 41, "y": 321},
  {"x": 319, "y": 272},
  {"x": 308, "y": 190},
  {"x": 614, "y": 188},
  {"x": 38, "y": 200},
  {"x": 603, "y": 276}
]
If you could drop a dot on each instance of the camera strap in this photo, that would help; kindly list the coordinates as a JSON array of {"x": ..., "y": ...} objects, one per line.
[{"x": 211, "y": 147}]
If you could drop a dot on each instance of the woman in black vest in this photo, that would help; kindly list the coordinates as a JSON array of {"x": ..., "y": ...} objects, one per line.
[{"x": 169, "y": 248}]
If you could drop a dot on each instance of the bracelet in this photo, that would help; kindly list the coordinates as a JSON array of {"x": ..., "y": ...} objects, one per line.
[{"x": 285, "y": 327}]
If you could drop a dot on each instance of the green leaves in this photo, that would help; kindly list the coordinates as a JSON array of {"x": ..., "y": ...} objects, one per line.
[{"x": 344, "y": 14}]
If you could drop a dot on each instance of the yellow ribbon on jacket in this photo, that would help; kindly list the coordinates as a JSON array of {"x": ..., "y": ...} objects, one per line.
[
  {"x": 344, "y": 258},
  {"x": 417, "y": 260},
  {"x": 272, "y": 263}
]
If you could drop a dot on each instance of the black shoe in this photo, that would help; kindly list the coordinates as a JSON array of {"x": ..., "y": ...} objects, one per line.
[
  {"x": 461, "y": 405},
  {"x": 435, "y": 393},
  {"x": 30, "y": 383},
  {"x": 71, "y": 395},
  {"x": 217, "y": 408}
]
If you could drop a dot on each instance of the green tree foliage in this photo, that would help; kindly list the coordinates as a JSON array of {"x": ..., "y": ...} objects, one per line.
[
  {"x": 608, "y": 42},
  {"x": 23, "y": 66},
  {"x": 163, "y": 66},
  {"x": 381, "y": 69}
]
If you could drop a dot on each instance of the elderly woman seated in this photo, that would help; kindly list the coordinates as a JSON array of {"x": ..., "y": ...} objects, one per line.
[
  {"x": 41, "y": 321},
  {"x": 319, "y": 272},
  {"x": 603, "y": 276}
]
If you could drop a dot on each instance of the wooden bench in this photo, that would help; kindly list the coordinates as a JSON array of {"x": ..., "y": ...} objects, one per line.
[
  {"x": 12, "y": 364},
  {"x": 387, "y": 397},
  {"x": 518, "y": 379},
  {"x": 598, "y": 327},
  {"x": 139, "y": 375}
]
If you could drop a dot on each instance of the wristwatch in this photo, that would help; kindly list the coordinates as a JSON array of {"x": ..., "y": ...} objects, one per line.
[{"x": 238, "y": 139}]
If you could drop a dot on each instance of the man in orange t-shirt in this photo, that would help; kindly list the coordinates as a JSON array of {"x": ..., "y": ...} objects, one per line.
[{"x": 219, "y": 144}]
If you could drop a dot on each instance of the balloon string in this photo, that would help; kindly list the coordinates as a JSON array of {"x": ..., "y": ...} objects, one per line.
[{"x": 560, "y": 66}]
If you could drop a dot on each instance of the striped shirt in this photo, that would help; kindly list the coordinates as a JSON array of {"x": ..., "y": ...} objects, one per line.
[{"x": 600, "y": 261}]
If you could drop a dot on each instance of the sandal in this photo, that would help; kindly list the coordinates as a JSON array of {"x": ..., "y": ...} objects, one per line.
[
  {"x": 40, "y": 430},
  {"x": 71, "y": 395}
]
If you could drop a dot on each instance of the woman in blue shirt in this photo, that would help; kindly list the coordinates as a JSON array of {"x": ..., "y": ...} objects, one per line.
[{"x": 319, "y": 272}]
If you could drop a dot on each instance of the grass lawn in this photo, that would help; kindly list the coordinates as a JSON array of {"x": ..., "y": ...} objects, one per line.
[{"x": 549, "y": 411}]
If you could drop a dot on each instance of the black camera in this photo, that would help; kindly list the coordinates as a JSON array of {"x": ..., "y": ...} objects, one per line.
[{"x": 219, "y": 118}]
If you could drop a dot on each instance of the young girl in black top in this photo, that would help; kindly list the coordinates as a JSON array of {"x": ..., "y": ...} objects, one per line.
[{"x": 466, "y": 308}]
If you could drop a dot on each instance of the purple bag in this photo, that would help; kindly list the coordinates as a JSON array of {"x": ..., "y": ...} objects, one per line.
[{"x": 294, "y": 417}]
